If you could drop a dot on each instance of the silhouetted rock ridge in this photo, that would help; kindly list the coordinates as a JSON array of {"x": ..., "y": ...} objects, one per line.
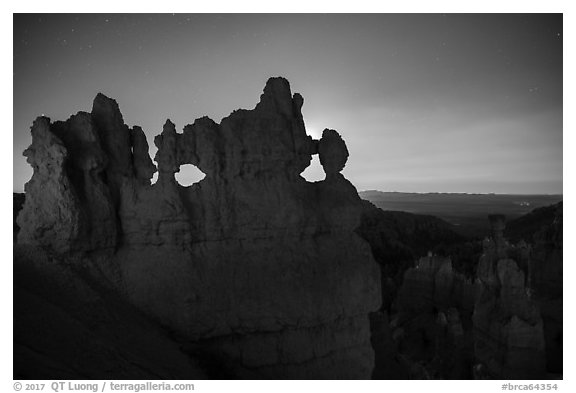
[{"x": 253, "y": 266}]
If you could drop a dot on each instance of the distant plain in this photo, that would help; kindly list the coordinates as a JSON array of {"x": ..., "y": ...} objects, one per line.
[{"x": 467, "y": 212}]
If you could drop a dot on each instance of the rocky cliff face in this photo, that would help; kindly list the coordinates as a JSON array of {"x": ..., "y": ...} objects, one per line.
[
  {"x": 397, "y": 239},
  {"x": 253, "y": 266},
  {"x": 508, "y": 327},
  {"x": 542, "y": 229},
  {"x": 501, "y": 319},
  {"x": 430, "y": 320}
]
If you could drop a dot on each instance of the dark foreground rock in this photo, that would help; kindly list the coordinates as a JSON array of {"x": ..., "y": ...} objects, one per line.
[{"x": 70, "y": 323}]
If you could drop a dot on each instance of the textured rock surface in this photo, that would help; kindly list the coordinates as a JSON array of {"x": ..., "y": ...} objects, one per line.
[
  {"x": 429, "y": 304},
  {"x": 543, "y": 230},
  {"x": 487, "y": 311},
  {"x": 502, "y": 319},
  {"x": 397, "y": 239},
  {"x": 508, "y": 327},
  {"x": 433, "y": 304},
  {"x": 254, "y": 266},
  {"x": 433, "y": 284},
  {"x": 85, "y": 165},
  {"x": 51, "y": 214}
]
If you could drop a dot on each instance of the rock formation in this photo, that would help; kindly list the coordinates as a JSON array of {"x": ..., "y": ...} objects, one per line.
[
  {"x": 508, "y": 327},
  {"x": 424, "y": 298},
  {"x": 253, "y": 272},
  {"x": 397, "y": 239},
  {"x": 501, "y": 319},
  {"x": 543, "y": 232},
  {"x": 254, "y": 267},
  {"x": 547, "y": 281},
  {"x": 433, "y": 284},
  {"x": 433, "y": 306},
  {"x": 51, "y": 215}
]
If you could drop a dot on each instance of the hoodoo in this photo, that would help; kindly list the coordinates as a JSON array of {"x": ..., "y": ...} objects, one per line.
[{"x": 253, "y": 267}]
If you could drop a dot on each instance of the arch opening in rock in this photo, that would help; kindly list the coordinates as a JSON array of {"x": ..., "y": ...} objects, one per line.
[
  {"x": 189, "y": 174},
  {"x": 313, "y": 131},
  {"x": 314, "y": 172},
  {"x": 154, "y": 178}
]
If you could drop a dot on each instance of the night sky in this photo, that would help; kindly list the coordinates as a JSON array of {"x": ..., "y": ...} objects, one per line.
[{"x": 425, "y": 103}]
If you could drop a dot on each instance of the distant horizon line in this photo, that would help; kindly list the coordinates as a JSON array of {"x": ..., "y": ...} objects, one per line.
[
  {"x": 459, "y": 193},
  {"x": 423, "y": 192}
]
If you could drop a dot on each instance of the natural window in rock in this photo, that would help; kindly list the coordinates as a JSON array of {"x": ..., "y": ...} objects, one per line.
[
  {"x": 154, "y": 178},
  {"x": 188, "y": 175},
  {"x": 313, "y": 131},
  {"x": 314, "y": 172}
]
